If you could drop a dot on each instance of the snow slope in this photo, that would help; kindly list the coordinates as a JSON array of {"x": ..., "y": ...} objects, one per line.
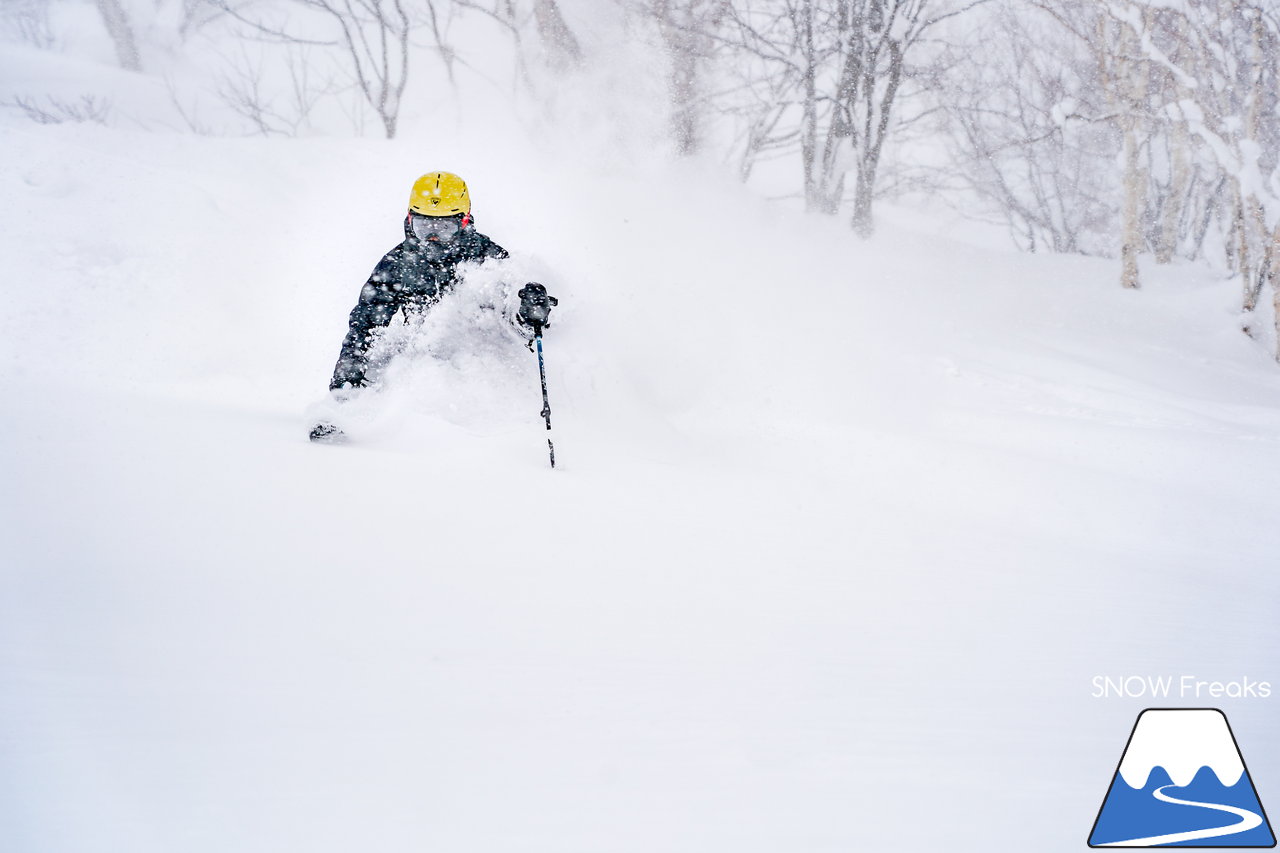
[{"x": 841, "y": 533}]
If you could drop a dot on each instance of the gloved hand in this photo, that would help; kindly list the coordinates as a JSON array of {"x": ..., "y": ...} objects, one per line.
[{"x": 535, "y": 305}]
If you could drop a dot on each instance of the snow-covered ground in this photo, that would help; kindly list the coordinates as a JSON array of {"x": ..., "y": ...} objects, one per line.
[{"x": 841, "y": 532}]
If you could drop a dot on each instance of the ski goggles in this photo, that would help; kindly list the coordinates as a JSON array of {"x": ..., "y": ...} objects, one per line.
[{"x": 435, "y": 227}]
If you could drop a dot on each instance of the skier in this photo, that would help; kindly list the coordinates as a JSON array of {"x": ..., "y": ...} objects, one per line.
[{"x": 439, "y": 234}]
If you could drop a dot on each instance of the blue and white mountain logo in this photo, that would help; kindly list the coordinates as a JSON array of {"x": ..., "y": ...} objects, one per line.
[{"x": 1182, "y": 783}]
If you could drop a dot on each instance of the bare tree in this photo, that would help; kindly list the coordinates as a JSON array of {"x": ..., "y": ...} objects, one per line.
[
  {"x": 273, "y": 110},
  {"x": 561, "y": 44},
  {"x": 28, "y": 20},
  {"x": 1185, "y": 98},
  {"x": 848, "y": 61},
  {"x": 1220, "y": 67},
  {"x": 1113, "y": 34},
  {"x": 688, "y": 29},
  {"x": 1126, "y": 77},
  {"x": 375, "y": 35},
  {"x": 561, "y": 48},
  {"x": 1012, "y": 120},
  {"x": 90, "y": 108},
  {"x": 688, "y": 34},
  {"x": 120, "y": 29},
  {"x": 372, "y": 35}
]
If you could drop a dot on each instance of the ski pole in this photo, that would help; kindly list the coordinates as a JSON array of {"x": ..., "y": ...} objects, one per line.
[{"x": 546, "y": 404}]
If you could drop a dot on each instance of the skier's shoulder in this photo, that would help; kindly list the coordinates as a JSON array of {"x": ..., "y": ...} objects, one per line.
[
  {"x": 482, "y": 246},
  {"x": 399, "y": 254},
  {"x": 390, "y": 268}
]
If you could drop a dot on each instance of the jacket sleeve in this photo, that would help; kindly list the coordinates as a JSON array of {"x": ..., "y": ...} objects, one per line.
[
  {"x": 491, "y": 249},
  {"x": 379, "y": 302}
]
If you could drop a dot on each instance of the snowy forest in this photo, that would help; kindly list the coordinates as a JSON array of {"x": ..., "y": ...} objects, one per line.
[
  {"x": 1113, "y": 128},
  {"x": 906, "y": 417}
]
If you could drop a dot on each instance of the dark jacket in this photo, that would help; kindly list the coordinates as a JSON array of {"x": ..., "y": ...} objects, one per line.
[{"x": 411, "y": 277}]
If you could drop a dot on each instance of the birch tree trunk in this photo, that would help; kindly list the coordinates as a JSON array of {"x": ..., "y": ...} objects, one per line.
[
  {"x": 685, "y": 94},
  {"x": 869, "y": 164},
  {"x": 1266, "y": 273},
  {"x": 1244, "y": 263},
  {"x": 686, "y": 27},
  {"x": 1250, "y": 206},
  {"x": 1180, "y": 177},
  {"x": 1273, "y": 278},
  {"x": 809, "y": 109},
  {"x": 121, "y": 32},
  {"x": 1134, "y": 80},
  {"x": 562, "y": 46},
  {"x": 1131, "y": 224}
]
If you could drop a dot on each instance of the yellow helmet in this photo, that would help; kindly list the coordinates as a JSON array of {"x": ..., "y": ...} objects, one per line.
[{"x": 439, "y": 194}]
